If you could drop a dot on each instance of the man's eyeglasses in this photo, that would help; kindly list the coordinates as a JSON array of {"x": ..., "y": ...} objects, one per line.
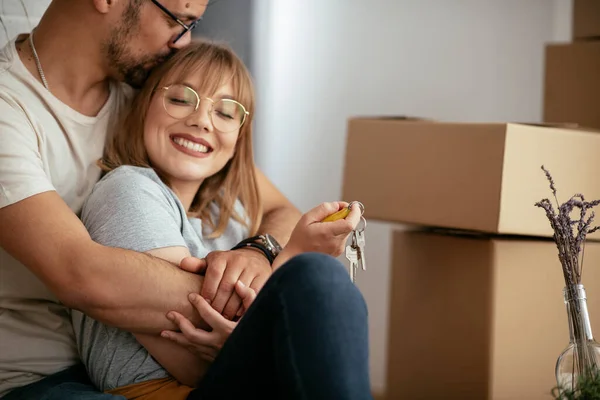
[{"x": 186, "y": 28}]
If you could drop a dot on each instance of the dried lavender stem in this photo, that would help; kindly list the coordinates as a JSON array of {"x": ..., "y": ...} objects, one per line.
[{"x": 571, "y": 251}]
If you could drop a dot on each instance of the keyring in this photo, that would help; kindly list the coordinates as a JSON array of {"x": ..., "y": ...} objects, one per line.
[{"x": 360, "y": 205}]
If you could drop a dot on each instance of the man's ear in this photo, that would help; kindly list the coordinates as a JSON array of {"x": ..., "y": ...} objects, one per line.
[{"x": 104, "y": 6}]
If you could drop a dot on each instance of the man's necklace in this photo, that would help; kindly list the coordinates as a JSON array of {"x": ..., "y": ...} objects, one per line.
[{"x": 37, "y": 62}]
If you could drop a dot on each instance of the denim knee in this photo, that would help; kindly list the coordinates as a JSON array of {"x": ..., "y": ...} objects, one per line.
[
  {"x": 315, "y": 267},
  {"x": 317, "y": 274}
]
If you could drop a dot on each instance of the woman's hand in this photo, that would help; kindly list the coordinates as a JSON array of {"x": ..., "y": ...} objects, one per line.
[
  {"x": 313, "y": 235},
  {"x": 199, "y": 341}
]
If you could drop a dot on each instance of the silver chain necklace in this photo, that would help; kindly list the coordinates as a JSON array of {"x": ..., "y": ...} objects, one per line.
[{"x": 37, "y": 62}]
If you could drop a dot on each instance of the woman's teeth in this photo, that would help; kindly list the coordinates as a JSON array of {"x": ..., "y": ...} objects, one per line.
[{"x": 191, "y": 145}]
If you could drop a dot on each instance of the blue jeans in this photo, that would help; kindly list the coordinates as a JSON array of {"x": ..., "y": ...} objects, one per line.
[{"x": 304, "y": 337}]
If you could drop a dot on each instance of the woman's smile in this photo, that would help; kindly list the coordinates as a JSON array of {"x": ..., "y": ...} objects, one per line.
[{"x": 190, "y": 145}]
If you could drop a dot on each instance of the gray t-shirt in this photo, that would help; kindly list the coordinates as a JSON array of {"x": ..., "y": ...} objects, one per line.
[{"x": 132, "y": 208}]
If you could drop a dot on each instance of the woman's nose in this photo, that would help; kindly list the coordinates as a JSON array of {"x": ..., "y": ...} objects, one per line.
[{"x": 201, "y": 117}]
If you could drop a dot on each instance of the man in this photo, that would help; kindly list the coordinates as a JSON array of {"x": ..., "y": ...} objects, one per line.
[{"x": 58, "y": 99}]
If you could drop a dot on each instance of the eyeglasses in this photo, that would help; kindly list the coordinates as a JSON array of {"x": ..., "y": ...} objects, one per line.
[
  {"x": 181, "y": 101},
  {"x": 186, "y": 28}
]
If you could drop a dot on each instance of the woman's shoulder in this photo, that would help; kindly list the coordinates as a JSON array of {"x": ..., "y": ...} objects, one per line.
[
  {"x": 129, "y": 185},
  {"x": 128, "y": 177},
  {"x": 131, "y": 208}
]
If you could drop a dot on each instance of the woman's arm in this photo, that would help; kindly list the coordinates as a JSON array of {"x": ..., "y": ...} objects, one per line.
[
  {"x": 131, "y": 208},
  {"x": 280, "y": 215}
]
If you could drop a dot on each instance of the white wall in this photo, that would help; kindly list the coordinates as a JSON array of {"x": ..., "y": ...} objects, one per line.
[
  {"x": 316, "y": 63},
  {"x": 229, "y": 21},
  {"x": 562, "y": 26},
  {"x": 19, "y": 16}
]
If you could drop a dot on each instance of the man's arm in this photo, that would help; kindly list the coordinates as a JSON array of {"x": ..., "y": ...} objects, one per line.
[
  {"x": 280, "y": 216},
  {"x": 185, "y": 366},
  {"x": 129, "y": 290}
]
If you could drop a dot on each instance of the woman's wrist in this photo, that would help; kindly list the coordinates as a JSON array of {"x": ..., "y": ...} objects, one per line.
[{"x": 284, "y": 256}]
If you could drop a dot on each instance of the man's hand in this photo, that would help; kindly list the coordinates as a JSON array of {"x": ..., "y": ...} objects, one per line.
[
  {"x": 222, "y": 269},
  {"x": 206, "y": 344}
]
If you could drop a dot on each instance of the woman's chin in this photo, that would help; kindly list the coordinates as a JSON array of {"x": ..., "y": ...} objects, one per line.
[
  {"x": 187, "y": 172},
  {"x": 191, "y": 176}
]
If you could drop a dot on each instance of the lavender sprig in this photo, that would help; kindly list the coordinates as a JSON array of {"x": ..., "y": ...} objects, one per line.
[{"x": 570, "y": 244}]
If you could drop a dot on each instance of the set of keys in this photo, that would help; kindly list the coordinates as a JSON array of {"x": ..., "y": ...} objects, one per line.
[{"x": 355, "y": 251}]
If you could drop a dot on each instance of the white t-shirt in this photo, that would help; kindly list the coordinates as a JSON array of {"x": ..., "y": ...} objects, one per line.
[{"x": 44, "y": 146}]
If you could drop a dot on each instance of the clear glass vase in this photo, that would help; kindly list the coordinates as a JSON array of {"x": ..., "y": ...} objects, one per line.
[{"x": 581, "y": 358}]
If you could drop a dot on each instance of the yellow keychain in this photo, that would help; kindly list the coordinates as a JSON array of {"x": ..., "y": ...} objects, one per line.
[{"x": 343, "y": 213}]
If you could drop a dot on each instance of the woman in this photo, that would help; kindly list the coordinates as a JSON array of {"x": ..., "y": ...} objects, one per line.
[{"x": 182, "y": 183}]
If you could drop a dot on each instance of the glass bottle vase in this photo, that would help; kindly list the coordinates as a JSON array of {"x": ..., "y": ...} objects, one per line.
[{"x": 581, "y": 358}]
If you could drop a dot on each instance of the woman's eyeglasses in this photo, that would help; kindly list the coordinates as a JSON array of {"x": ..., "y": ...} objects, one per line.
[{"x": 181, "y": 101}]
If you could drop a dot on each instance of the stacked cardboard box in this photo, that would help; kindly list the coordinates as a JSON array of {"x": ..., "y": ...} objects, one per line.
[
  {"x": 572, "y": 75},
  {"x": 476, "y": 308}
]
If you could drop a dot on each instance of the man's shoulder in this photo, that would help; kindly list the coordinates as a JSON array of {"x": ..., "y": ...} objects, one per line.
[
  {"x": 11, "y": 73},
  {"x": 7, "y": 57},
  {"x": 16, "y": 94}
]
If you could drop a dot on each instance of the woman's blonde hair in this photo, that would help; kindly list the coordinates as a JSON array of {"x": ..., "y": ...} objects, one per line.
[{"x": 218, "y": 65}]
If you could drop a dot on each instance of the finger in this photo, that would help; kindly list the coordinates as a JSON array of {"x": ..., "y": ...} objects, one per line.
[
  {"x": 354, "y": 216},
  {"x": 176, "y": 337},
  {"x": 321, "y": 211},
  {"x": 234, "y": 305},
  {"x": 342, "y": 227},
  {"x": 226, "y": 290},
  {"x": 255, "y": 287},
  {"x": 193, "y": 265},
  {"x": 342, "y": 204},
  {"x": 209, "y": 314},
  {"x": 214, "y": 273},
  {"x": 206, "y": 352},
  {"x": 246, "y": 293},
  {"x": 258, "y": 282},
  {"x": 188, "y": 329}
]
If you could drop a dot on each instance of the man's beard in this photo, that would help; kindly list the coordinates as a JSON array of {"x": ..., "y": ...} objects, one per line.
[{"x": 133, "y": 71}]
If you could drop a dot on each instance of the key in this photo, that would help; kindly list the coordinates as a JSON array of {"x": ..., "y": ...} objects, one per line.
[
  {"x": 361, "y": 243},
  {"x": 352, "y": 256}
]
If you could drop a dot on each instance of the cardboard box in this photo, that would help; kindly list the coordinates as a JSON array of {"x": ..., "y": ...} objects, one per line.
[
  {"x": 586, "y": 19},
  {"x": 572, "y": 83},
  {"x": 478, "y": 317},
  {"x": 481, "y": 177}
]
